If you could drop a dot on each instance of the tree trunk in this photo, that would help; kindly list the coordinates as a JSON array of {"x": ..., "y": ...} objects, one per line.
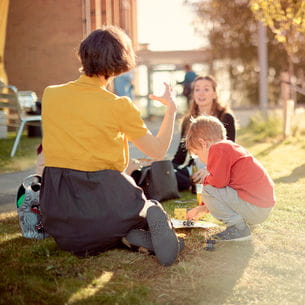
[{"x": 291, "y": 76}]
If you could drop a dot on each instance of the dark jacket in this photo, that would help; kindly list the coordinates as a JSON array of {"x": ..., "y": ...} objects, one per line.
[{"x": 229, "y": 123}]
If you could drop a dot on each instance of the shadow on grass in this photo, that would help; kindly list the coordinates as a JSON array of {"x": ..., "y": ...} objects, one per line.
[
  {"x": 268, "y": 150},
  {"x": 38, "y": 272},
  {"x": 296, "y": 174},
  {"x": 211, "y": 277},
  {"x": 235, "y": 257}
]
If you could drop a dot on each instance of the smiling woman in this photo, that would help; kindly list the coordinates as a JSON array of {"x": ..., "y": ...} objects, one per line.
[
  {"x": 173, "y": 28},
  {"x": 204, "y": 101}
]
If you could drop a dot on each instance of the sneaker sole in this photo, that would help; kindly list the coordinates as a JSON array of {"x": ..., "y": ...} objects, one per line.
[
  {"x": 163, "y": 237},
  {"x": 140, "y": 238}
]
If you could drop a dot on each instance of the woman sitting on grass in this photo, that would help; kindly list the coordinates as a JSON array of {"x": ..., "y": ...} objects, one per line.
[
  {"x": 204, "y": 101},
  {"x": 88, "y": 204}
]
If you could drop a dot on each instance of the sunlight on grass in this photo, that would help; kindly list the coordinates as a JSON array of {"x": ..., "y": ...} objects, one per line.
[
  {"x": 25, "y": 156},
  {"x": 91, "y": 289},
  {"x": 7, "y": 215},
  {"x": 6, "y": 237},
  {"x": 268, "y": 270}
]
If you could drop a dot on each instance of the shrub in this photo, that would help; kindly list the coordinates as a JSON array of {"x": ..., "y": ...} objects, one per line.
[{"x": 264, "y": 128}]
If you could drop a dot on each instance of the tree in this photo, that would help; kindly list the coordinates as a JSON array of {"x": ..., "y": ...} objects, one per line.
[
  {"x": 231, "y": 29},
  {"x": 286, "y": 19}
]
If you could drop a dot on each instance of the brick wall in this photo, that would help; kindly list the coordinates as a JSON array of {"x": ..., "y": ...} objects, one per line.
[{"x": 42, "y": 38}]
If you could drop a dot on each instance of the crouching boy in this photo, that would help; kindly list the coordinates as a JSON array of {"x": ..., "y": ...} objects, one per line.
[{"x": 237, "y": 190}]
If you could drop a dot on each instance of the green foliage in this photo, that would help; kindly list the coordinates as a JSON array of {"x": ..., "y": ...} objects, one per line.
[
  {"x": 231, "y": 31},
  {"x": 286, "y": 18},
  {"x": 230, "y": 28},
  {"x": 264, "y": 128},
  {"x": 25, "y": 156}
]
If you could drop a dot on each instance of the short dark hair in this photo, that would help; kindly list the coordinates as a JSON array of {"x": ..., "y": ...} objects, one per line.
[{"x": 107, "y": 51}]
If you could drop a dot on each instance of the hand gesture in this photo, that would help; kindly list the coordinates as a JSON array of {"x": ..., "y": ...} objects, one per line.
[
  {"x": 167, "y": 98},
  {"x": 198, "y": 176},
  {"x": 196, "y": 213}
]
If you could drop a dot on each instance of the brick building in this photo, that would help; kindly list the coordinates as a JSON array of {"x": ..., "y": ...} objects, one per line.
[{"x": 42, "y": 37}]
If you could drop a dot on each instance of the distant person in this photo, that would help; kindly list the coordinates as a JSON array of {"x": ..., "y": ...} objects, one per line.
[
  {"x": 123, "y": 84},
  {"x": 204, "y": 101},
  {"x": 237, "y": 190},
  {"x": 189, "y": 77},
  {"x": 88, "y": 203}
]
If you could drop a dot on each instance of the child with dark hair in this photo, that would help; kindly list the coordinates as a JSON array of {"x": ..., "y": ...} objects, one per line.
[
  {"x": 88, "y": 204},
  {"x": 237, "y": 190}
]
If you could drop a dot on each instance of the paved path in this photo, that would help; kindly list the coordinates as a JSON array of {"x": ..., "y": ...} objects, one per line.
[
  {"x": 153, "y": 125},
  {"x": 9, "y": 183}
]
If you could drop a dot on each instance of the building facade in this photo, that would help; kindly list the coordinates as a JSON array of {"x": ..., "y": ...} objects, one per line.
[{"x": 42, "y": 37}]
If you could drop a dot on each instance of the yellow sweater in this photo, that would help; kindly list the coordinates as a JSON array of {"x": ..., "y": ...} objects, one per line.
[{"x": 86, "y": 127}]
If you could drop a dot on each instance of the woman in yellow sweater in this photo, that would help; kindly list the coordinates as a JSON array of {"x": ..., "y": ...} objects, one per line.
[{"x": 88, "y": 204}]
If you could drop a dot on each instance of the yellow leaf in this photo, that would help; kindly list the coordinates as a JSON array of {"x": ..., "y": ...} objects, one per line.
[
  {"x": 280, "y": 38},
  {"x": 297, "y": 20}
]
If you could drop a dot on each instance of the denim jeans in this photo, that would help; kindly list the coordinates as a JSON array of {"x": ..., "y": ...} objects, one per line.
[{"x": 225, "y": 205}]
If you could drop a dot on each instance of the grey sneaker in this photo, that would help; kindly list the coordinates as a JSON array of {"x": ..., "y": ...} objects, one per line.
[
  {"x": 165, "y": 242},
  {"x": 233, "y": 233},
  {"x": 142, "y": 239}
]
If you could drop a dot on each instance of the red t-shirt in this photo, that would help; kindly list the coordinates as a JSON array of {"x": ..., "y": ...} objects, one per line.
[{"x": 229, "y": 164}]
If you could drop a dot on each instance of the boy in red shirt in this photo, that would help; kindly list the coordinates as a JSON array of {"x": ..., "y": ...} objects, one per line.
[{"x": 237, "y": 190}]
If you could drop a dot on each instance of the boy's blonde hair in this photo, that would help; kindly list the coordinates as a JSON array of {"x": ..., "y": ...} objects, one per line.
[{"x": 205, "y": 127}]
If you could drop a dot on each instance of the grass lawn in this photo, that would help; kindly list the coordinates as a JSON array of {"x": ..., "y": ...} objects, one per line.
[
  {"x": 25, "y": 156},
  {"x": 268, "y": 270}
]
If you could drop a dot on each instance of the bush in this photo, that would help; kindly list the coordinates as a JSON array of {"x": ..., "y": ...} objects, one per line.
[{"x": 264, "y": 128}]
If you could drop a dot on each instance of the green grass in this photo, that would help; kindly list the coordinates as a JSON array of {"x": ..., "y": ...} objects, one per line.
[
  {"x": 269, "y": 270},
  {"x": 261, "y": 128},
  {"x": 25, "y": 156}
]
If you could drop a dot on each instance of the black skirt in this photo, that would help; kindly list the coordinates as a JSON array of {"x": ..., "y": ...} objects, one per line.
[{"x": 89, "y": 212}]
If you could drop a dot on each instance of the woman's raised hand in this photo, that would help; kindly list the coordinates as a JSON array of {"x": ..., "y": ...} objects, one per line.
[{"x": 167, "y": 98}]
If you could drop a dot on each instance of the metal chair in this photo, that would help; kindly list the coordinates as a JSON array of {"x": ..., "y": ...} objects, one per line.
[{"x": 9, "y": 98}]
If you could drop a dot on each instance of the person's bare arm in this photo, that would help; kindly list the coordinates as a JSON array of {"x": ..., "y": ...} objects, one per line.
[
  {"x": 196, "y": 213},
  {"x": 157, "y": 146}
]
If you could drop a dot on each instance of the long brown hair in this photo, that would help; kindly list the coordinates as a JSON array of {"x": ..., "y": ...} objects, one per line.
[{"x": 218, "y": 110}]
